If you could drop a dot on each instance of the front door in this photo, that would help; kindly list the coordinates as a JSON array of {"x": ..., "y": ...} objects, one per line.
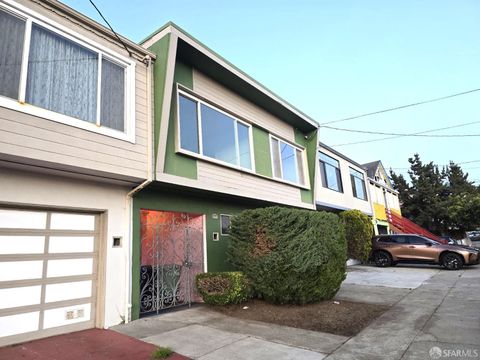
[{"x": 172, "y": 254}]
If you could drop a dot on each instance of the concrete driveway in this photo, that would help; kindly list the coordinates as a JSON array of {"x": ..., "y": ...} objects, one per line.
[{"x": 435, "y": 314}]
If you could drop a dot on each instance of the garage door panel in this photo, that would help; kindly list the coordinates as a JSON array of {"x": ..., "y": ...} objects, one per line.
[
  {"x": 71, "y": 244},
  {"x": 66, "y": 315},
  {"x": 68, "y": 291},
  {"x": 21, "y": 244},
  {"x": 20, "y": 296},
  {"x": 48, "y": 275},
  {"x": 69, "y": 267},
  {"x": 61, "y": 221},
  {"x": 20, "y": 270},
  {"x": 19, "y": 323},
  {"x": 21, "y": 219}
]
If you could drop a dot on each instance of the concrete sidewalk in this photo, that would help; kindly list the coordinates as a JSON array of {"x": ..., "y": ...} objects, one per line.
[{"x": 435, "y": 309}]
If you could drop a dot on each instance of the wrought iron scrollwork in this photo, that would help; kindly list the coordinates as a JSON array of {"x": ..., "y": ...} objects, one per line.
[{"x": 172, "y": 254}]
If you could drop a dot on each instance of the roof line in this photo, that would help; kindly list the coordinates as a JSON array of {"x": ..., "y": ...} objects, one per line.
[
  {"x": 321, "y": 144},
  {"x": 261, "y": 87},
  {"x": 95, "y": 25}
]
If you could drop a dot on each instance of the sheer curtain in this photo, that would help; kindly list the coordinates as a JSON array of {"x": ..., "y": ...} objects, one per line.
[
  {"x": 62, "y": 76},
  {"x": 12, "y": 31},
  {"x": 113, "y": 96}
]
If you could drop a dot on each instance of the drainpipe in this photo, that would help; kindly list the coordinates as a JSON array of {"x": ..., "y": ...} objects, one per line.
[{"x": 129, "y": 199}]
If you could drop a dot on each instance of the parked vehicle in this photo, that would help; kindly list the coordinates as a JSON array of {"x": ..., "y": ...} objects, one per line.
[
  {"x": 473, "y": 235},
  {"x": 388, "y": 250}
]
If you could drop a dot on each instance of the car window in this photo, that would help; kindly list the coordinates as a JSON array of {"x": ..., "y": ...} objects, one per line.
[
  {"x": 417, "y": 240},
  {"x": 401, "y": 239},
  {"x": 386, "y": 239}
]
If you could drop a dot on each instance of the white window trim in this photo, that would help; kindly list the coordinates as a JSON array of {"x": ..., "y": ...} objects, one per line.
[
  {"x": 200, "y": 155},
  {"x": 304, "y": 163},
  {"x": 19, "y": 105},
  {"x": 221, "y": 229}
]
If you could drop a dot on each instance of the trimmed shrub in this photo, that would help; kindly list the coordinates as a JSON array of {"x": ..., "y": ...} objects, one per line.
[
  {"x": 358, "y": 232},
  {"x": 290, "y": 255},
  {"x": 222, "y": 288}
]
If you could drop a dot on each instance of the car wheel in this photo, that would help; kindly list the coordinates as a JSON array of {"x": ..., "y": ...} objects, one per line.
[
  {"x": 452, "y": 261},
  {"x": 382, "y": 259}
]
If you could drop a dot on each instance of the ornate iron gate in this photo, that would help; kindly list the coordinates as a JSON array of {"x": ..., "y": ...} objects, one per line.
[{"x": 172, "y": 254}]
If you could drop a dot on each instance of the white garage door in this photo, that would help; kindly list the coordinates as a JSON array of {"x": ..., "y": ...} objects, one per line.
[{"x": 48, "y": 271}]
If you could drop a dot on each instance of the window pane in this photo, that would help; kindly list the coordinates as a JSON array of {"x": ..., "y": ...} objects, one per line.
[
  {"x": 112, "y": 112},
  {"x": 62, "y": 76},
  {"x": 327, "y": 159},
  {"x": 301, "y": 172},
  {"x": 12, "y": 30},
  {"x": 188, "y": 124},
  {"x": 359, "y": 188},
  {"x": 218, "y": 135},
  {"x": 244, "y": 146},
  {"x": 289, "y": 169},
  {"x": 277, "y": 172},
  {"x": 225, "y": 224},
  {"x": 356, "y": 173},
  {"x": 332, "y": 178}
]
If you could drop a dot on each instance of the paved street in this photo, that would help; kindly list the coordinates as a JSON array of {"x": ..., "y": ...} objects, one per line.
[{"x": 431, "y": 308}]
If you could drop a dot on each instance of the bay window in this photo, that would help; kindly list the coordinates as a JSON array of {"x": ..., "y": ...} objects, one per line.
[
  {"x": 76, "y": 82},
  {"x": 211, "y": 133},
  {"x": 287, "y": 161}
]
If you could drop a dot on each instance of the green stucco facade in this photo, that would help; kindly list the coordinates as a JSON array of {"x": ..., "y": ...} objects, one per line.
[
  {"x": 180, "y": 201},
  {"x": 171, "y": 197},
  {"x": 309, "y": 142}
]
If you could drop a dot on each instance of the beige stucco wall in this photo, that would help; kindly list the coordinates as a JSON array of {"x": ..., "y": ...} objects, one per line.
[
  {"x": 344, "y": 200},
  {"x": 32, "y": 189}
]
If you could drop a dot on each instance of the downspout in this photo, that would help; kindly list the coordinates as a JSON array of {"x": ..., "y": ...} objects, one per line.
[{"x": 129, "y": 199}]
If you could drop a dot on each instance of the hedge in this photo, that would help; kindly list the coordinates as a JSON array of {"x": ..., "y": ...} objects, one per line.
[
  {"x": 358, "y": 232},
  {"x": 291, "y": 255},
  {"x": 222, "y": 288}
]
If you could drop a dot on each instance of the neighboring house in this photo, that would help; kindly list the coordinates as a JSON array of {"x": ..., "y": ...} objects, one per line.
[
  {"x": 384, "y": 197},
  {"x": 75, "y": 139},
  {"x": 341, "y": 183},
  {"x": 223, "y": 144}
]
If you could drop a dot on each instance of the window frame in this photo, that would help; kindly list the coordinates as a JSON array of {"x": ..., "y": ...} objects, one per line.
[
  {"x": 304, "y": 162},
  {"x": 354, "y": 188},
  {"x": 181, "y": 91},
  {"x": 221, "y": 227},
  {"x": 323, "y": 173},
  {"x": 30, "y": 16}
]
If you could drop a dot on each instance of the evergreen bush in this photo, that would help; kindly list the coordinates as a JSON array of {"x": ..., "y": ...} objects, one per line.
[
  {"x": 290, "y": 255},
  {"x": 222, "y": 288},
  {"x": 358, "y": 232}
]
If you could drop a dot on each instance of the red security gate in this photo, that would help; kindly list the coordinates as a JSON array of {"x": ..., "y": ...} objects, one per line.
[{"x": 172, "y": 254}]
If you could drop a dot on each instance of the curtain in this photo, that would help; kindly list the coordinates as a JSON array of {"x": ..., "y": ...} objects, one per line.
[
  {"x": 112, "y": 96},
  {"x": 62, "y": 76},
  {"x": 12, "y": 32}
]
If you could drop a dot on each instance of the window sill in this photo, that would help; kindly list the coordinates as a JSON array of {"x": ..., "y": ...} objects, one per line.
[
  {"x": 337, "y": 191},
  {"x": 238, "y": 168},
  {"x": 66, "y": 120}
]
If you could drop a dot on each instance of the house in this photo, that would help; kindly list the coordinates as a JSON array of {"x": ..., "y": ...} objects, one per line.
[
  {"x": 223, "y": 143},
  {"x": 75, "y": 139},
  {"x": 384, "y": 197},
  {"x": 341, "y": 183}
]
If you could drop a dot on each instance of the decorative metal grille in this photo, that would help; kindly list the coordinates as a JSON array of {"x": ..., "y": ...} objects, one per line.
[{"x": 172, "y": 254}]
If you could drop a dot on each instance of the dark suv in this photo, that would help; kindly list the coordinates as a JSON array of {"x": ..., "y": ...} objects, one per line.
[{"x": 388, "y": 250}]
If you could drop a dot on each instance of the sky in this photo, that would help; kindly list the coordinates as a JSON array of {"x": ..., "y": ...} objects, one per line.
[{"x": 334, "y": 59}]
